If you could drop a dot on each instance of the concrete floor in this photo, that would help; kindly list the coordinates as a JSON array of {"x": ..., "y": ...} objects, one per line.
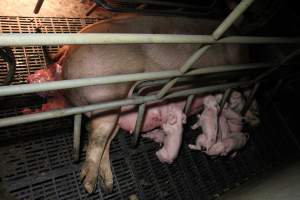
[
  {"x": 282, "y": 183},
  {"x": 50, "y": 8}
]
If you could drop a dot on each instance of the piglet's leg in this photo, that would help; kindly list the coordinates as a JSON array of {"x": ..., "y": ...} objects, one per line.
[
  {"x": 101, "y": 129},
  {"x": 197, "y": 124},
  {"x": 195, "y": 147},
  {"x": 172, "y": 141},
  {"x": 199, "y": 144}
]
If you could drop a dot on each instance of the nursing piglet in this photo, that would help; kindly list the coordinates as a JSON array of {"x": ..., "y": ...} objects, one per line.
[
  {"x": 237, "y": 102},
  {"x": 229, "y": 144},
  {"x": 229, "y": 137},
  {"x": 208, "y": 121},
  {"x": 163, "y": 123}
]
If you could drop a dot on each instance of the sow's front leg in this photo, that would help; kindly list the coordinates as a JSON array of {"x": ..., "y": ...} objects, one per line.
[{"x": 101, "y": 129}]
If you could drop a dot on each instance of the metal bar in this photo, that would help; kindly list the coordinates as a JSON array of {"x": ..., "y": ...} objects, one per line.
[
  {"x": 110, "y": 105},
  {"x": 91, "y": 9},
  {"x": 67, "y": 84},
  {"x": 161, "y": 3},
  {"x": 29, "y": 39},
  {"x": 206, "y": 89},
  {"x": 250, "y": 99},
  {"x": 152, "y": 83},
  {"x": 193, "y": 59},
  {"x": 38, "y": 6},
  {"x": 257, "y": 40},
  {"x": 224, "y": 26},
  {"x": 231, "y": 18},
  {"x": 258, "y": 79},
  {"x": 188, "y": 103},
  {"x": 77, "y": 132},
  {"x": 138, "y": 125},
  {"x": 224, "y": 99},
  {"x": 72, "y": 111},
  {"x": 188, "y": 64}
]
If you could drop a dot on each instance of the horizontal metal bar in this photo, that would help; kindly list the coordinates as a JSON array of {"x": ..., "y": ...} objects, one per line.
[
  {"x": 71, "y": 111},
  {"x": 67, "y": 84},
  {"x": 109, "y": 105},
  {"x": 259, "y": 40},
  {"x": 206, "y": 89},
  {"x": 27, "y": 39}
]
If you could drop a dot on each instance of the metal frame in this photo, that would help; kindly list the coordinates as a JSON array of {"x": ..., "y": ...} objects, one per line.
[{"x": 103, "y": 38}]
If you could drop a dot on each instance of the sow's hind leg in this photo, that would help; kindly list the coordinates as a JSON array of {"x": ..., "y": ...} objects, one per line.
[
  {"x": 101, "y": 129},
  {"x": 105, "y": 171}
]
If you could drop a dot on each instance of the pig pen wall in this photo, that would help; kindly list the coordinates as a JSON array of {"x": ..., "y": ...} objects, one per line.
[{"x": 37, "y": 158}]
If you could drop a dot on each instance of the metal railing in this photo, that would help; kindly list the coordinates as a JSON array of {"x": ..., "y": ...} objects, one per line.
[{"x": 104, "y": 38}]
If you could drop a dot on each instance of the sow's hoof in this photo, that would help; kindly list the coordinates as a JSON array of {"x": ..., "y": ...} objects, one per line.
[
  {"x": 88, "y": 175},
  {"x": 106, "y": 178}
]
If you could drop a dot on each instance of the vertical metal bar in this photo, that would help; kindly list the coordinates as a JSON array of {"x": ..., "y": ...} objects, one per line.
[
  {"x": 38, "y": 6},
  {"x": 138, "y": 125},
  {"x": 224, "y": 99},
  {"x": 250, "y": 99},
  {"x": 222, "y": 104},
  {"x": 231, "y": 18},
  {"x": 188, "y": 104},
  {"x": 77, "y": 132}
]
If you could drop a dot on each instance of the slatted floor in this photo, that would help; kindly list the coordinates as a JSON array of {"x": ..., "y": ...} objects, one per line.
[
  {"x": 31, "y": 58},
  {"x": 36, "y": 158}
]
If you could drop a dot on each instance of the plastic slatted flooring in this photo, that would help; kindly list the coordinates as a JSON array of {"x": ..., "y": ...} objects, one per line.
[
  {"x": 36, "y": 159},
  {"x": 41, "y": 167}
]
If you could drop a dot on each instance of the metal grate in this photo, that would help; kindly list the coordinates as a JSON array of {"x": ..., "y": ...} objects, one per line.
[
  {"x": 36, "y": 158},
  {"x": 31, "y": 58}
]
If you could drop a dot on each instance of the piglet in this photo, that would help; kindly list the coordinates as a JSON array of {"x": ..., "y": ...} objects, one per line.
[
  {"x": 229, "y": 137},
  {"x": 237, "y": 102},
  {"x": 208, "y": 121},
  {"x": 173, "y": 134},
  {"x": 163, "y": 123},
  {"x": 232, "y": 143}
]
